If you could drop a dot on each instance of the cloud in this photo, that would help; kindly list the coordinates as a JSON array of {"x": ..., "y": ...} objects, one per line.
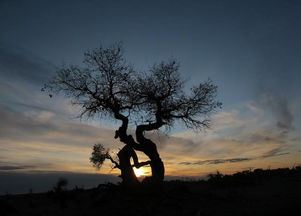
[
  {"x": 238, "y": 135},
  {"x": 21, "y": 167},
  {"x": 249, "y": 142},
  {"x": 274, "y": 152},
  {"x": 39, "y": 140},
  {"x": 16, "y": 65},
  {"x": 271, "y": 153},
  {"x": 44, "y": 127},
  {"x": 285, "y": 117},
  {"x": 165, "y": 141},
  {"x": 277, "y": 106},
  {"x": 21, "y": 77},
  {"x": 216, "y": 161},
  {"x": 35, "y": 130}
]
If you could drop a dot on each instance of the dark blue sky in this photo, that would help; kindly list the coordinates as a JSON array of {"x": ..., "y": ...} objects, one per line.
[
  {"x": 253, "y": 46},
  {"x": 251, "y": 49}
]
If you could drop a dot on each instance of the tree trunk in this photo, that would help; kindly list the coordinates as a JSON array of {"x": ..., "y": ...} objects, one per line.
[
  {"x": 127, "y": 173},
  {"x": 158, "y": 170},
  {"x": 150, "y": 148},
  {"x": 128, "y": 151},
  {"x": 157, "y": 165}
]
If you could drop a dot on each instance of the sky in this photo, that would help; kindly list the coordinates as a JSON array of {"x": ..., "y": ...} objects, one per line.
[{"x": 250, "y": 49}]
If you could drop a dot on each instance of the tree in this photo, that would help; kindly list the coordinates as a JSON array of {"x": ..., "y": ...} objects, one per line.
[{"x": 108, "y": 86}]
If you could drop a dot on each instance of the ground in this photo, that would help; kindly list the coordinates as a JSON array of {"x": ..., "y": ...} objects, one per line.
[{"x": 258, "y": 192}]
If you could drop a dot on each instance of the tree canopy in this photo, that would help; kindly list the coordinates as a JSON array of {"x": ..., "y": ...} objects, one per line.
[{"x": 107, "y": 85}]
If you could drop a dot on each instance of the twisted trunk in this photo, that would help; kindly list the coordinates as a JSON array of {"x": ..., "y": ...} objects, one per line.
[
  {"x": 145, "y": 145},
  {"x": 156, "y": 163},
  {"x": 150, "y": 149},
  {"x": 127, "y": 152},
  {"x": 127, "y": 173}
]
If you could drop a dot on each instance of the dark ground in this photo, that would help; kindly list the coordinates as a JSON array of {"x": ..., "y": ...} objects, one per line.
[{"x": 258, "y": 192}]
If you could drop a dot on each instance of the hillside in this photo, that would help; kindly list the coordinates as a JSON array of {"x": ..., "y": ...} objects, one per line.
[{"x": 258, "y": 192}]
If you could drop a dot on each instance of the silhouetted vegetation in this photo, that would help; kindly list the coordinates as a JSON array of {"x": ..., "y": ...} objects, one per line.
[
  {"x": 109, "y": 86},
  {"x": 251, "y": 192},
  {"x": 257, "y": 176},
  {"x": 60, "y": 185}
]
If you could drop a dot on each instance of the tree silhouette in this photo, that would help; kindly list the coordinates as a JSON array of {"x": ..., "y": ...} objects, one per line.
[{"x": 108, "y": 86}]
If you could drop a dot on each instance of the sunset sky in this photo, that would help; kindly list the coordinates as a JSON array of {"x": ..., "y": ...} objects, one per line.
[{"x": 250, "y": 49}]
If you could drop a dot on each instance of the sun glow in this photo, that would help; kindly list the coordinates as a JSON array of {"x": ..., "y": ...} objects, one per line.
[{"x": 139, "y": 172}]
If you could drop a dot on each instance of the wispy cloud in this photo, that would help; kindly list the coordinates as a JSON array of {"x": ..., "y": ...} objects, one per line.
[
  {"x": 40, "y": 137},
  {"x": 66, "y": 144},
  {"x": 277, "y": 106},
  {"x": 271, "y": 153},
  {"x": 248, "y": 135},
  {"x": 216, "y": 161},
  {"x": 6, "y": 168},
  {"x": 16, "y": 65},
  {"x": 42, "y": 125},
  {"x": 274, "y": 152}
]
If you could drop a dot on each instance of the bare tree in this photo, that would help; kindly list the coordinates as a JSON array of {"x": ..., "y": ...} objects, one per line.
[{"x": 108, "y": 86}]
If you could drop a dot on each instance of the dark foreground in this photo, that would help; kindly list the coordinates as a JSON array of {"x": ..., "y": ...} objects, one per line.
[{"x": 258, "y": 192}]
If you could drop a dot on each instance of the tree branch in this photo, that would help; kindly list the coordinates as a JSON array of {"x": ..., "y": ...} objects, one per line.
[
  {"x": 121, "y": 133},
  {"x": 141, "y": 164},
  {"x": 113, "y": 161}
]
